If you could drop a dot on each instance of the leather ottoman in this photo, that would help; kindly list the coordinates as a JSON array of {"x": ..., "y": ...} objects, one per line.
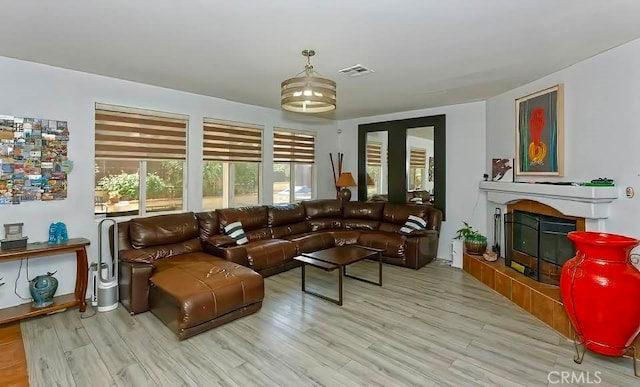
[{"x": 199, "y": 294}]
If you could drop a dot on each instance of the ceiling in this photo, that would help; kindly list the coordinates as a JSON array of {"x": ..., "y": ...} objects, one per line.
[{"x": 425, "y": 53}]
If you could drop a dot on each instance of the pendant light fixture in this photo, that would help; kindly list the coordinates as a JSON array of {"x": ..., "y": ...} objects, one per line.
[{"x": 307, "y": 92}]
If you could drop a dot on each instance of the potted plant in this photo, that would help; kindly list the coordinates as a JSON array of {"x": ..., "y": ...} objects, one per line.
[{"x": 474, "y": 242}]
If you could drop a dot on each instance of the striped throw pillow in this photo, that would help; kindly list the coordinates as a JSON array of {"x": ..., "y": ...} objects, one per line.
[
  {"x": 235, "y": 231},
  {"x": 414, "y": 223}
]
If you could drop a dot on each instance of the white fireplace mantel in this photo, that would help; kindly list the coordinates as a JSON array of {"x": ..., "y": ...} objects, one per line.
[{"x": 591, "y": 203}]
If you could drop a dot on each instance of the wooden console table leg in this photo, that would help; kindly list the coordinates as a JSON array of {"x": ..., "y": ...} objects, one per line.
[{"x": 82, "y": 272}]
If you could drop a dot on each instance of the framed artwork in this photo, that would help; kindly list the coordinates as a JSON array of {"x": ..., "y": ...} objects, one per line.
[
  {"x": 33, "y": 159},
  {"x": 502, "y": 170},
  {"x": 540, "y": 133}
]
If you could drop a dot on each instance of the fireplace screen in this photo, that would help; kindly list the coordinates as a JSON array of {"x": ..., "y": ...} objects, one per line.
[{"x": 537, "y": 245}]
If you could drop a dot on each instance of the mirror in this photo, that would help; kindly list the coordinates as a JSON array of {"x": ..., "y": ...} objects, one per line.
[
  {"x": 420, "y": 164},
  {"x": 377, "y": 170},
  {"x": 398, "y": 179}
]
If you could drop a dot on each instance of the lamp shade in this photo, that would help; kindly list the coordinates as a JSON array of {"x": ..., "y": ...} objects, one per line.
[
  {"x": 370, "y": 181},
  {"x": 308, "y": 93},
  {"x": 346, "y": 180}
]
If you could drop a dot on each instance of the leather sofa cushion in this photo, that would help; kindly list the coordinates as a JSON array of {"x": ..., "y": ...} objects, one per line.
[
  {"x": 394, "y": 245},
  {"x": 325, "y": 208},
  {"x": 399, "y": 213},
  {"x": 390, "y": 227},
  {"x": 325, "y": 223},
  {"x": 252, "y": 218},
  {"x": 208, "y": 223},
  {"x": 361, "y": 224},
  {"x": 345, "y": 237},
  {"x": 205, "y": 288},
  {"x": 313, "y": 242},
  {"x": 291, "y": 229},
  {"x": 284, "y": 215},
  {"x": 162, "y": 230},
  {"x": 270, "y": 252},
  {"x": 362, "y": 210},
  {"x": 259, "y": 234},
  {"x": 154, "y": 253}
]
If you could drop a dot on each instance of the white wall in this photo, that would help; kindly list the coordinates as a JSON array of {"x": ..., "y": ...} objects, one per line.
[
  {"x": 34, "y": 90},
  {"x": 466, "y": 158},
  {"x": 602, "y": 126}
]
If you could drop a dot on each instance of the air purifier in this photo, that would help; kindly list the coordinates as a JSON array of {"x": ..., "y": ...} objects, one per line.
[
  {"x": 456, "y": 253},
  {"x": 93, "y": 281},
  {"x": 107, "y": 280}
]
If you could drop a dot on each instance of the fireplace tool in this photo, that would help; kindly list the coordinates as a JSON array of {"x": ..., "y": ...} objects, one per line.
[{"x": 497, "y": 218}]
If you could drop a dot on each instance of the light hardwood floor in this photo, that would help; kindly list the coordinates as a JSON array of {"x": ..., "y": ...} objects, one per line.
[{"x": 431, "y": 327}]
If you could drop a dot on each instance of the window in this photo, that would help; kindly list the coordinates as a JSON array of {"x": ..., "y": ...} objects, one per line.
[
  {"x": 139, "y": 161},
  {"x": 417, "y": 167},
  {"x": 232, "y": 157},
  {"x": 374, "y": 168},
  {"x": 293, "y": 159}
]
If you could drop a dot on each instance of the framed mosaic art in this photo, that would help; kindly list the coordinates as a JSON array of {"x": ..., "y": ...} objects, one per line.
[{"x": 33, "y": 159}]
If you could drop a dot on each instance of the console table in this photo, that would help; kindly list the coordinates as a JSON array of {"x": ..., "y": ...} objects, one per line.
[{"x": 43, "y": 250}]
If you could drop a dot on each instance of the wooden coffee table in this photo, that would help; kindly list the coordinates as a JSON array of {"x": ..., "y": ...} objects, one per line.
[{"x": 339, "y": 257}]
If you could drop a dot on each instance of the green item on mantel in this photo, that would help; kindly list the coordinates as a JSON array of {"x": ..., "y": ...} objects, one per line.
[{"x": 599, "y": 184}]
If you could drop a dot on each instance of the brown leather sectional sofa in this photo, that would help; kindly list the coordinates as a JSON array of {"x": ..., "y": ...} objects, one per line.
[{"x": 193, "y": 277}]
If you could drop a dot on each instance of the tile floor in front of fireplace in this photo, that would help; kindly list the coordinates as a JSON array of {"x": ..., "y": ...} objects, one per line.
[{"x": 435, "y": 326}]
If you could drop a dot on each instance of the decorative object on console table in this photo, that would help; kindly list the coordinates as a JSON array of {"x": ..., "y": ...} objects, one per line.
[
  {"x": 13, "y": 238},
  {"x": 474, "y": 242},
  {"x": 42, "y": 289},
  {"x": 345, "y": 180},
  {"x": 597, "y": 287},
  {"x": 540, "y": 133}
]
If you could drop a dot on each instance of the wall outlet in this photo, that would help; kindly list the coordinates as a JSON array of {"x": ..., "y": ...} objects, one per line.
[{"x": 629, "y": 192}]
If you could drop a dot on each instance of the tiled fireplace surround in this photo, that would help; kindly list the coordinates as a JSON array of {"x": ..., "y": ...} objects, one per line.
[{"x": 541, "y": 300}]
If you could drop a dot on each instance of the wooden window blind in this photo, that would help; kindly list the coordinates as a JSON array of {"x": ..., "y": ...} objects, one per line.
[
  {"x": 127, "y": 133},
  {"x": 231, "y": 141},
  {"x": 417, "y": 158},
  {"x": 374, "y": 153},
  {"x": 295, "y": 147}
]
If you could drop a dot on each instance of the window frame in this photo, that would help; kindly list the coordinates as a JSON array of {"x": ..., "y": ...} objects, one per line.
[
  {"x": 293, "y": 165},
  {"x": 142, "y": 162},
  {"x": 228, "y": 184},
  {"x": 228, "y": 167}
]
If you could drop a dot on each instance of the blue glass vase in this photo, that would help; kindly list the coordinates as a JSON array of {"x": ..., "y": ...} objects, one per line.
[{"x": 42, "y": 289}]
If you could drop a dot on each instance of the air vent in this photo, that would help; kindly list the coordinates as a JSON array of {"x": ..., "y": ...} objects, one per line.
[{"x": 357, "y": 71}]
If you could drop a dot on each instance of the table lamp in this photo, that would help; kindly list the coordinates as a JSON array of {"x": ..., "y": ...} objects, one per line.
[
  {"x": 345, "y": 180},
  {"x": 370, "y": 181}
]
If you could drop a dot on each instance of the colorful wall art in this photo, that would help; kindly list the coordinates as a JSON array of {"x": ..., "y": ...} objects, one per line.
[
  {"x": 539, "y": 133},
  {"x": 33, "y": 159}
]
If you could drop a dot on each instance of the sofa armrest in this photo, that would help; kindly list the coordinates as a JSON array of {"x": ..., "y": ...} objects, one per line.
[
  {"x": 133, "y": 284},
  {"x": 235, "y": 253},
  {"x": 221, "y": 241},
  {"x": 422, "y": 247},
  {"x": 422, "y": 233}
]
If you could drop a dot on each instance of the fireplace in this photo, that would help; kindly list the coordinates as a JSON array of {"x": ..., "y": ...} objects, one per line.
[
  {"x": 588, "y": 206},
  {"x": 537, "y": 244}
]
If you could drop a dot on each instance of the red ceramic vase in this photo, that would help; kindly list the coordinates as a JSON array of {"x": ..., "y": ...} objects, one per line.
[{"x": 599, "y": 288}]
